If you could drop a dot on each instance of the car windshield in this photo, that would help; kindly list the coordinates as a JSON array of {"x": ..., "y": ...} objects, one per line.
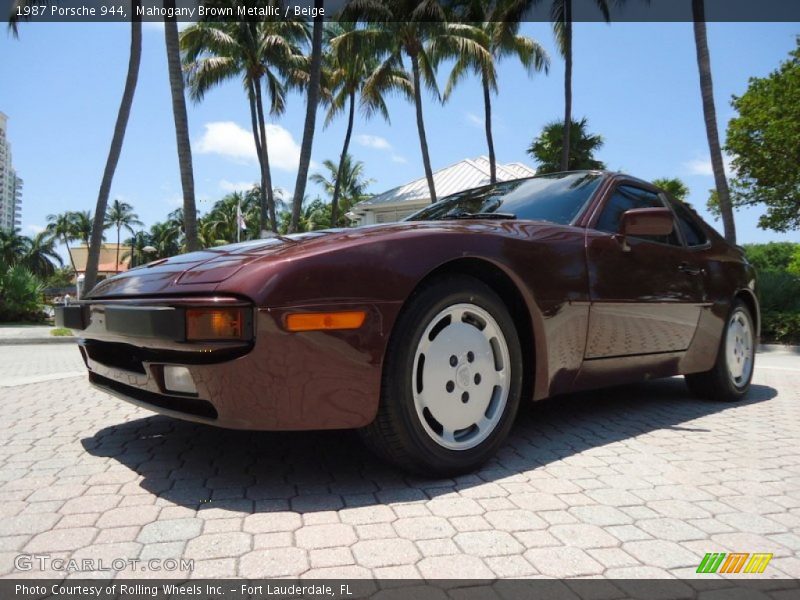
[{"x": 557, "y": 198}]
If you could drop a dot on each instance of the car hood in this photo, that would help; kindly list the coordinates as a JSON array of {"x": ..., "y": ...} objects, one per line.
[{"x": 204, "y": 271}]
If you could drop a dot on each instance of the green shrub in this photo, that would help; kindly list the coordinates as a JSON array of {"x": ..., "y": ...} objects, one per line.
[
  {"x": 780, "y": 327},
  {"x": 20, "y": 295},
  {"x": 779, "y": 291},
  {"x": 774, "y": 256}
]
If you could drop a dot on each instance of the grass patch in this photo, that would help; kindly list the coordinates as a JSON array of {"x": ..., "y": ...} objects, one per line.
[{"x": 61, "y": 332}]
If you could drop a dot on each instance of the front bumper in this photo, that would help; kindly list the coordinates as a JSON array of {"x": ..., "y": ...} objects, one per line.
[{"x": 276, "y": 380}]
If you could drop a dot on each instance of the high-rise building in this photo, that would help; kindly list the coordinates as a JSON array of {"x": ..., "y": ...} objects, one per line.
[{"x": 10, "y": 183}]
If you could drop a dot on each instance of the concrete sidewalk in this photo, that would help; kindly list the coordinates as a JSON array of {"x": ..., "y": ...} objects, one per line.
[{"x": 12, "y": 335}]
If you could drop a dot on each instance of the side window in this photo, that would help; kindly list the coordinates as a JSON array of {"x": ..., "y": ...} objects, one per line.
[
  {"x": 625, "y": 198},
  {"x": 692, "y": 231}
]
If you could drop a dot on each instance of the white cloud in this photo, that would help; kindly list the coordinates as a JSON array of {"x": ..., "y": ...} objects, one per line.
[
  {"x": 235, "y": 186},
  {"x": 35, "y": 229},
  {"x": 228, "y": 139},
  {"x": 702, "y": 166},
  {"x": 373, "y": 141},
  {"x": 473, "y": 119},
  {"x": 399, "y": 159}
]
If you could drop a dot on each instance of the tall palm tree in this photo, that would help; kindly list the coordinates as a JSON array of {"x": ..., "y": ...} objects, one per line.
[
  {"x": 348, "y": 178},
  {"x": 120, "y": 215},
  {"x": 348, "y": 67},
  {"x": 176, "y": 85},
  {"x": 417, "y": 31},
  {"x": 710, "y": 115},
  {"x": 267, "y": 53},
  {"x": 62, "y": 226},
  {"x": 500, "y": 39},
  {"x": 40, "y": 255},
  {"x": 98, "y": 226},
  {"x": 117, "y": 139},
  {"x": 312, "y": 101}
]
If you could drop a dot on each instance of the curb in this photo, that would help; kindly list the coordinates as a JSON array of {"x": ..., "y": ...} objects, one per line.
[
  {"x": 786, "y": 349},
  {"x": 37, "y": 341}
]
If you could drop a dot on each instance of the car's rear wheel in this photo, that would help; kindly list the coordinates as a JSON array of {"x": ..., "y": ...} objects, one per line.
[
  {"x": 452, "y": 380},
  {"x": 730, "y": 378}
]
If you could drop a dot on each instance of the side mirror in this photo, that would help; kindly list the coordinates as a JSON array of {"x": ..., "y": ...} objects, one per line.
[{"x": 646, "y": 221}]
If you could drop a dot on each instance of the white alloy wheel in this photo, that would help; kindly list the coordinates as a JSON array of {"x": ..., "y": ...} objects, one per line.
[
  {"x": 739, "y": 348},
  {"x": 461, "y": 376}
]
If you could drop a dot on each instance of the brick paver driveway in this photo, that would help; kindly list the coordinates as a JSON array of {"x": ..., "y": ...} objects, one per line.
[{"x": 639, "y": 481}]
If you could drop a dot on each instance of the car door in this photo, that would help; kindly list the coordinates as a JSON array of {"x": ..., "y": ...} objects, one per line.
[{"x": 645, "y": 291}]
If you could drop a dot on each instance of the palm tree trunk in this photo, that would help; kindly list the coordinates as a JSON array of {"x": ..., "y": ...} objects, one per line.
[
  {"x": 567, "y": 84},
  {"x": 266, "y": 180},
  {"x": 262, "y": 212},
  {"x": 90, "y": 277},
  {"x": 423, "y": 140},
  {"x": 176, "y": 86},
  {"x": 710, "y": 115},
  {"x": 116, "y": 264},
  {"x": 340, "y": 172},
  {"x": 487, "y": 105},
  {"x": 69, "y": 253},
  {"x": 311, "y": 117}
]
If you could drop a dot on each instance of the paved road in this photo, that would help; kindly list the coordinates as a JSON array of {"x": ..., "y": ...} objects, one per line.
[{"x": 639, "y": 481}]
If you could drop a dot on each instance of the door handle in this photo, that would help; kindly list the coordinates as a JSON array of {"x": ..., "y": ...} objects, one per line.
[{"x": 690, "y": 270}]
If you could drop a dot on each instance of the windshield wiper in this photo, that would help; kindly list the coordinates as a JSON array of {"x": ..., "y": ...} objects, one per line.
[{"x": 484, "y": 215}]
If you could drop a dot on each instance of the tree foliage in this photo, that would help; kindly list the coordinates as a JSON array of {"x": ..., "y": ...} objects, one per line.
[
  {"x": 764, "y": 140},
  {"x": 546, "y": 149},
  {"x": 674, "y": 187}
]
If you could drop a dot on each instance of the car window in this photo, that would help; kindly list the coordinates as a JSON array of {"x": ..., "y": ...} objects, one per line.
[
  {"x": 692, "y": 231},
  {"x": 627, "y": 197},
  {"x": 557, "y": 198}
]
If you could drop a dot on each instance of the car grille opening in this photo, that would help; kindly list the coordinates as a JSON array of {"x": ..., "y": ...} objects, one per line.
[{"x": 189, "y": 406}]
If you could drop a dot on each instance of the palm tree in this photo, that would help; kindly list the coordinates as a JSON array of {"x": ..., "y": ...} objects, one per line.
[
  {"x": 12, "y": 248},
  {"x": 116, "y": 141},
  {"x": 348, "y": 68},
  {"x": 547, "y": 148},
  {"x": 312, "y": 101},
  {"x": 710, "y": 115},
  {"x": 265, "y": 52},
  {"x": 176, "y": 85},
  {"x": 82, "y": 225},
  {"x": 562, "y": 18},
  {"x": 98, "y": 226},
  {"x": 165, "y": 239},
  {"x": 500, "y": 39},
  {"x": 348, "y": 178},
  {"x": 40, "y": 255},
  {"x": 120, "y": 215},
  {"x": 62, "y": 226},
  {"x": 417, "y": 31}
]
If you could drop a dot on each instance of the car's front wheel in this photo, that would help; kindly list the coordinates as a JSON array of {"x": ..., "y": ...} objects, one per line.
[
  {"x": 730, "y": 378},
  {"x": 452, "y": 380}
]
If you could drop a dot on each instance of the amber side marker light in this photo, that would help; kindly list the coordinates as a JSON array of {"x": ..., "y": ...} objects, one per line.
[
  {"x": 325, "y": 321},
  {"x": 214, "y": 323}
]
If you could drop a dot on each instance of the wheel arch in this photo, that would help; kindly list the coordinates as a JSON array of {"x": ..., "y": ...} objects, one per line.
[
  {"x": 749, "y": 298},
  {"x": 522, "y": 309}
]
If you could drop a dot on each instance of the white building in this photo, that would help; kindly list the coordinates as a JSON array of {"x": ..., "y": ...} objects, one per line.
[
  {"x": 403, "y": 200},
  {"x": 10, "y": 184}
]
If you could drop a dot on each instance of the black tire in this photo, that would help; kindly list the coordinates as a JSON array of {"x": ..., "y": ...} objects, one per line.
[
  {"x": 397, "y": 433},
  {"x": 718, "y": 383}
]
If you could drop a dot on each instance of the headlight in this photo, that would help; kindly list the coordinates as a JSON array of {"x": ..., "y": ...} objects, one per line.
[{"x": 218, "y": 324}]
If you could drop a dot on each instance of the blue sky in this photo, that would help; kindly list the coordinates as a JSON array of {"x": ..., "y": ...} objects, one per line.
[{"x": 636, "y": 83}]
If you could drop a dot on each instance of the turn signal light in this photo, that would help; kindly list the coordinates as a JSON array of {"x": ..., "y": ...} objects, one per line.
[
  {"x": 325, "y": 321},
  {"x": 214, "y": 324}
]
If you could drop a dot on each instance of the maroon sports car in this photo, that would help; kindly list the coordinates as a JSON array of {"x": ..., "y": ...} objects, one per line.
[{"x": 426, "y": 334}]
